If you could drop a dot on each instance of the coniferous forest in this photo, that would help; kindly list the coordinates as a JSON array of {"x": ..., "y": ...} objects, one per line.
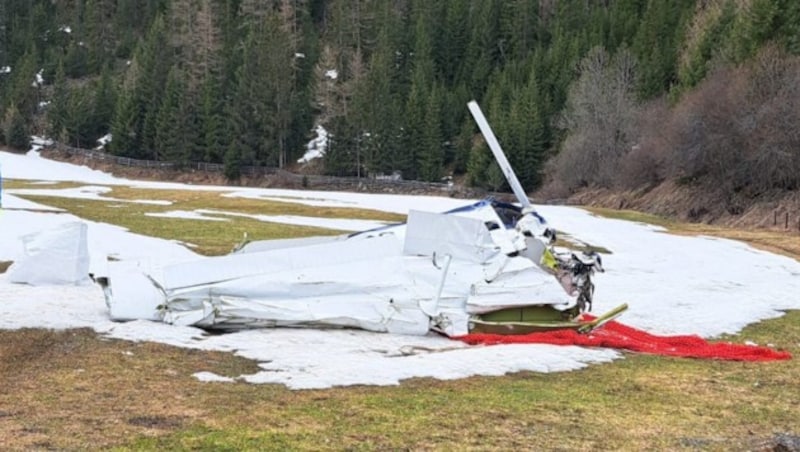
[{"x": 581, "y": 93}]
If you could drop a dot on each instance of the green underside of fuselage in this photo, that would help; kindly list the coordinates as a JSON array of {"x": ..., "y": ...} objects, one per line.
[{"x": 532, "y": 319}]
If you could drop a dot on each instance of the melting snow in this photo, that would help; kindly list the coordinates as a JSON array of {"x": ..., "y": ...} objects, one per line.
[{"x": 673, "y": 284}]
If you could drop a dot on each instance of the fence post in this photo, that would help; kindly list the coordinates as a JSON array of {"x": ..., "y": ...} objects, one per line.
[{"x": 787, "y": 221}]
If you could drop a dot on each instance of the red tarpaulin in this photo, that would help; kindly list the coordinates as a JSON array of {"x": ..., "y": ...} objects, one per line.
[{"x": 616, "y": 335}]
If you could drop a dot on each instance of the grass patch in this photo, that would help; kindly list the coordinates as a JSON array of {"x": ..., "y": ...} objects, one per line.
[
  {"x": 4, "y": 265},
  {"x": 18, "y": 184},
  {"x": 75, "y": 390},
  {"x": 203, "y": 199},
  {"x": 209, "y": 237}
]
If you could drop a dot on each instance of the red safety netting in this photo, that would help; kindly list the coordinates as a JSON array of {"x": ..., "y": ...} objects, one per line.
[{"x": 616, "y": 335}]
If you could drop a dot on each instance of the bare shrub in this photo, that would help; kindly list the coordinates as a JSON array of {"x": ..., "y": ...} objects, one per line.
[
  {"x": 646, "y": 163},
  {"x": 772, "y": 119},
  {"x": 736, "y": 132},
  {"x": 598, "y": 117}
]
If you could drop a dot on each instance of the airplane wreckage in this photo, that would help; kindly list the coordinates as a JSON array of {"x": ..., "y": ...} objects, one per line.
[{"x": 485, "y": 267}]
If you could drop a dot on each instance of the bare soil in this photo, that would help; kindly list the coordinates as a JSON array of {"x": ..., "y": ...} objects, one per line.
[{"x": 778, "y": 211}]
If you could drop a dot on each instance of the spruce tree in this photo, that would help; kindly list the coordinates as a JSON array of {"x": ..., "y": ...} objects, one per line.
[
  {"x": 79, "y": 118},
  {"x": 211, "y": 121},
  {"x": 431, "y": 153},
  {"x": 171, "y": 122},
  {"x": 153, "y": 58},
  {"x": 57, "y": 110},
  {"x": 23, "y": 91},
  {"x": 232, "y": 163},
  {"x": 104, "y": 100},
  {"x": 17, "y": 133},
  {"x": 126, "y": 140}
]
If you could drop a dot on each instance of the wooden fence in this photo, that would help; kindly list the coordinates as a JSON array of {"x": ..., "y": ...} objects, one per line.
[
  {"x": 315, "y": 181},
  {"x": 786, "y": 220}
]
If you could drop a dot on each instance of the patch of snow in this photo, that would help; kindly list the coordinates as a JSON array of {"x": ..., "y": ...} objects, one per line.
[
  {"x": 12, "y": 202},
  {"x": 342, "y": 224},
  {"x": 5, "y": 70},
  {"x": 299, "y": 55},
  {"x": 38, "y": 80},
  {"x": 212, "y": 377},
  {"x": 316, "y": 147},
  {"x": 184, "y": 214},
  {"x": 332, "y": 74},
  {"x": 103, "y": 141},
  {"x": 65, "y": 28}
]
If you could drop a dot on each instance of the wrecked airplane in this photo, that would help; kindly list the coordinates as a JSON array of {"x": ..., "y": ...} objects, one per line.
[{"x": 485, "y": 267}]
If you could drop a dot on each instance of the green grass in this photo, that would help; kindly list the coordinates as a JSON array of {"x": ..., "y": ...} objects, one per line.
[
  {"x": 11, "y": 184},
  {"x": 641, "y": 402},
  {"x": 206, "y": 237}
]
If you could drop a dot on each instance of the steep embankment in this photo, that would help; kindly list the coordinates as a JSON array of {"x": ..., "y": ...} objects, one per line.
[{"x": 779, "y": 210}]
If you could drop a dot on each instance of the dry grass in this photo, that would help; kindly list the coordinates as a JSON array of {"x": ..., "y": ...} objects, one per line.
[
  {"x": 11, "y": 184},
  {"x": 205, "y": 237},
  {"x": 76, "y": 390}
]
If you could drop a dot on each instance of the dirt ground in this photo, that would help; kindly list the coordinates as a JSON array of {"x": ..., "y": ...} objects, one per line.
[{"x": 778, "y": 211}]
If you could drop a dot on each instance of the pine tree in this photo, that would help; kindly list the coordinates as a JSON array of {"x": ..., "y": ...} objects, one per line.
[
  {"x": 104, "y": 100},
  {"x": 57, "y": 110},
  {"x": 714, "y": 37},
  {"x": 76, "y": 61},
  {"x": 212, "y": 123},
  {"x": 23, "y": 91},
  {"x": 790, "y": 28},
  {"x": 482, "y": 52},
  {"x": 172, "y": 138},
  {"x": 656, "y": 46},
  {"x": 233, "y": 163},
  {"x": 527, "y": 132},
  {"x": 100, "y": 33},
  {"x": 125, "y": 127},
  {"x": 247, "y": 112},
  {"x": 17, "y": 134},
  {"x": 152, "y": 59},
  {"x": 79, "y": 118},
  {"x": 518, "y": 24},
  {"x": 431, "y": 153},
  {"x": 419, "y": 100}
]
